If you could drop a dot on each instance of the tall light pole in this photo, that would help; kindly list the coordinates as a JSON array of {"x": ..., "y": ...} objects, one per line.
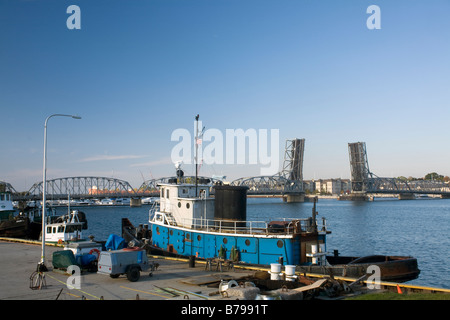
[{"x": 41, "y": 265}]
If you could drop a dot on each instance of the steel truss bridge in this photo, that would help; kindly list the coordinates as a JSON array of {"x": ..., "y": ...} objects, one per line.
[
  {"x": 7, "y": 187},
  {"x": 288, "y": 182},
  {"x": 365, "y": 182},
  {"x": 79, "y": 188}
]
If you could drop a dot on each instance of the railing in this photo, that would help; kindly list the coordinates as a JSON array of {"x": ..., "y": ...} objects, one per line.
[
  {"x": 152, "y": 211},
  {"x": 285, "y": 226}
]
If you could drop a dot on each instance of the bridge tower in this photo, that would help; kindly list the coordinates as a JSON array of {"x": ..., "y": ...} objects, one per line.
[
  {"x": 293, "y": 170},
  {"x": 288, "y": 182},
  {"x": 359, "y": 166},
  {"x": 293, "y": 160},
  {"x": 365, "y": 183},
  {"x": 359, "y": 169}
]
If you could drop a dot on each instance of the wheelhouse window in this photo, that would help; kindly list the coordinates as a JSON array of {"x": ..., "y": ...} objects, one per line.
[{"x": 72, "y": 228}]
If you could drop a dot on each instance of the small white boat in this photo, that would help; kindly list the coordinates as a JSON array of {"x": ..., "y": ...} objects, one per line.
[
  {"x": 122, "y": 201},
  {"x": 106, "y": 202},
  {"x": 149, "y": 200},
  {"x": 67, "y": 228},
  {"x": 84, "y": 202}
]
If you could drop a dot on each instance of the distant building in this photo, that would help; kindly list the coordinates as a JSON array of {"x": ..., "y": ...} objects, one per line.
[
  {"x": 329, "y": 186},
  {"x": 309, "y": 186}
]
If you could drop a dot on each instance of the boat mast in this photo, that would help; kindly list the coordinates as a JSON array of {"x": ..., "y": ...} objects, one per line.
[{"x": 196, "y": 154}]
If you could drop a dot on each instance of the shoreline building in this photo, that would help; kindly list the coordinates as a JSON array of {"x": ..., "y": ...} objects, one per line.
[{"x": 328, "y": 186}]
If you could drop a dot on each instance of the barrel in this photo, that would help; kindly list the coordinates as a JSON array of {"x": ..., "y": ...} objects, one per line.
[
  {"x": 290, "y": 270},
  {"x": 230, "y": 205},
  {"x": 275, "y": 267}
]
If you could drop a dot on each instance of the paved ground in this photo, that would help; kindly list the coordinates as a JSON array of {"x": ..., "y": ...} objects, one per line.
[{"x": 18, "y": 261}]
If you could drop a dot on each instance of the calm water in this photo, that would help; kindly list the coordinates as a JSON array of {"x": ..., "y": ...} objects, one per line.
[{"x": 419, "y": 228}]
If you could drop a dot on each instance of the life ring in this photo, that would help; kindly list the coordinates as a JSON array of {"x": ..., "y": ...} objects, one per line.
[
  {"x": 132, "y": 249},
  {"x": 96, "y": 251}
]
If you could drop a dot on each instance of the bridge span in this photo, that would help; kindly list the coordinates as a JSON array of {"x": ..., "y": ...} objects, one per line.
[
  {"x": 79, "y": 188},
  {"x": 288, "y": 183},
  {"x": 365, "y": 184}
]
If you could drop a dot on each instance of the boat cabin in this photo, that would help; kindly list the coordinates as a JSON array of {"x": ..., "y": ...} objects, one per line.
[
  {"x": 68, "y": 228},
  {"x": 6, "y": 205},
  {"x": 63, "y": 232},
  {"x": 187, "y": 204}
]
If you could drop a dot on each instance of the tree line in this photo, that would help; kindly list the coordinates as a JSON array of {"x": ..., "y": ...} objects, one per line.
[{"x": 429, "y": 176}]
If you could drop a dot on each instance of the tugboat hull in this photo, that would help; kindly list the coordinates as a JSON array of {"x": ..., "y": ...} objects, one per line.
[
  {"x": 258, "y": 250},
  {"x": 263, "y": 251},
  {"x": 15, "y": 228}
]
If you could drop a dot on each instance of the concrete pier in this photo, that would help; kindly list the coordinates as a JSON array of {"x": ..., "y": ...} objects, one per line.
[
  {"x": 406, "y": 196},
  {"x": 354, "y": 197},
  {"x": 19, "y": 261},
  {"x": 294, "y": 198},
  {"x": 174, "y": 279},
  {"x": 135, "y": 202}
]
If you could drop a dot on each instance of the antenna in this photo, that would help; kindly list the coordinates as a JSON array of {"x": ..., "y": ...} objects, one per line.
[
  {"x": 179, "y": 172},
  {"x": 196, "y": 153},
  {"x": 143, "y": 179}
]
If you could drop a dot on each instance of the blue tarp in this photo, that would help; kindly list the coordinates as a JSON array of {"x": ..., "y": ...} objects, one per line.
[
  {"x": 115, "y": 243},
  {"x": 86, "y": 259}
]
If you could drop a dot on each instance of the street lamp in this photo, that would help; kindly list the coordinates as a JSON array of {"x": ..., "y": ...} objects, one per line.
[{"x": 41, "y": 265}]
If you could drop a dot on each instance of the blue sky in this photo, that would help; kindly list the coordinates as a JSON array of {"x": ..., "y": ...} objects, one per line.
[{"x": 138, "y": 70}]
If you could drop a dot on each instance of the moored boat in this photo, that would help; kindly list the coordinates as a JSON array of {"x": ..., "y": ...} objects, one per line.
[
  {"x": 11, "y": 224},
  {"x": 65, "y": 228},
  {"x": 33, "y": 215},
  {"x": 299, "y": 242},
  {"x": 205, "y": 226},
  {"x": 190, "y": 221},
  {"x": 392, "y": 268}
]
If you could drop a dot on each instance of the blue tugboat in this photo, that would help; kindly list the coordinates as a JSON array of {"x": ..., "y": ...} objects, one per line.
[
  {"x": 191, "y": 222},
  {"x": 215, "y": 227},
  {"x": 194, "y": 218}
]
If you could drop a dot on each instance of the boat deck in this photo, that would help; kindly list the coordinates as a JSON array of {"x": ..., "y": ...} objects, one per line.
[{"x": 287, "y": 226}]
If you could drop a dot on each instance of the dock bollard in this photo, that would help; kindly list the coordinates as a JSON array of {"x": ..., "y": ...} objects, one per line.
[{"x": 191, "y": 261}]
